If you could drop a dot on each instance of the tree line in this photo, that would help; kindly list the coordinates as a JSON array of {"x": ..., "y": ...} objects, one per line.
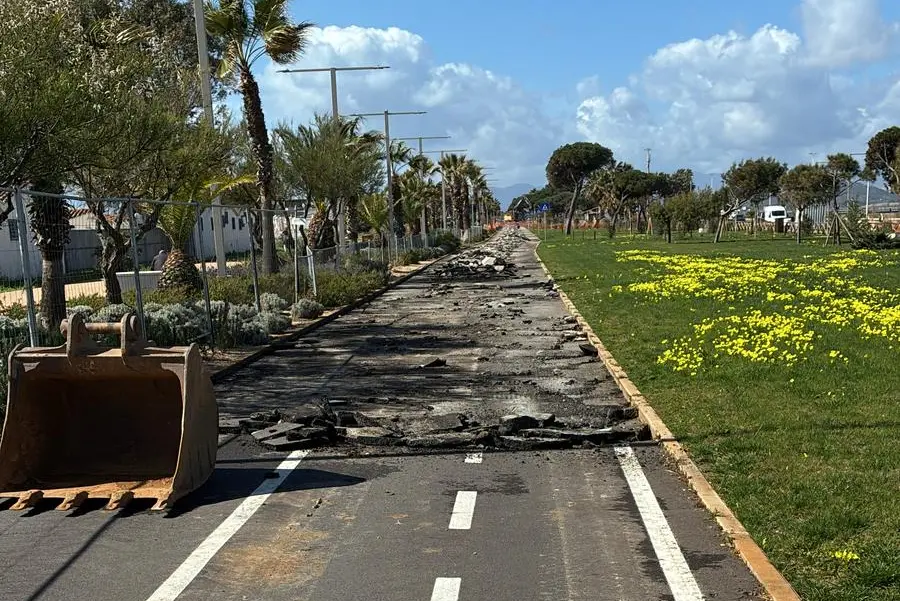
[
  {"x": 587, "y": 176},
  {"x": 102, "y": 100}
]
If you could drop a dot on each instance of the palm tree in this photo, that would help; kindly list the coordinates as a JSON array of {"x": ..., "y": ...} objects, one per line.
[
  {"x": 423, "y": 169},
  {"x": 331, "y": 163},
  {"x": 453, "y": 168},
  {"x": 401, "y": 154},
  {"x": 373, "y": 211},
  {"x": 249, "y": 30}
]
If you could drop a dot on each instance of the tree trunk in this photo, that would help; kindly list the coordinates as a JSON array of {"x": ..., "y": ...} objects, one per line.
[
  {"x": 720, "y": 228},
  {"x": 50, "y": 226},
  {"x": 799, "y": 223},
  {"x": 262, "y": 151},
  {"x": 109, "y": 263},
  {"x": 570, "y": 212},
  {"x": 53, "y": 290}
]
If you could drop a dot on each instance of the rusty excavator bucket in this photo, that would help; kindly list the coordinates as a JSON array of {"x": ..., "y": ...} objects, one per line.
[{"x": 85, "y": 421}]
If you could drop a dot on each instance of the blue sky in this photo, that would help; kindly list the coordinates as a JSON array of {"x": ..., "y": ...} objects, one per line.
[
  {"x": 548, "y": 49},
  {"x": 703, "y": 82}
]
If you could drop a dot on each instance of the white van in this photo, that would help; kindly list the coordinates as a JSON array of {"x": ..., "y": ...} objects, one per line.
[{"x": 773, "y": 213}]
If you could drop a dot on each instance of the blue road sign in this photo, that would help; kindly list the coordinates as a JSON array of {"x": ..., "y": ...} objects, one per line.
[{"x": 543, "y": 207}]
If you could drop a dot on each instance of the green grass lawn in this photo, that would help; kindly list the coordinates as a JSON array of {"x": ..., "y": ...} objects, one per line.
[{"x": 786, "y": 393}]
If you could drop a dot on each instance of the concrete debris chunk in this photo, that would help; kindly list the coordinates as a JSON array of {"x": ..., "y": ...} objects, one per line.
[
  {"x": 434, "y": 363},
  {"x": 510, "y": 424},
  {"x": 320, "y": 433},
  {"x": 276, "y": 430},
  {"x": 445, "y": 440},
  {"x": 371, "y": 435},
  {"x": 521, "y": 443},
  {"x": 588, "y": 349},
  {"x": 230, "y": 426},
  {"x": 437, "y": 424},
  {"x": 594, "y": 435}
]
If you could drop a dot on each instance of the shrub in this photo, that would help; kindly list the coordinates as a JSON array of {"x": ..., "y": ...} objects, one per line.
[
  {"x": 93, "y": 301},
  {"x": 306, "y": 308},
  {"x": 273, "y": 323},
  {"x": 110, "y": 314},
  {"x": 336, "y": 289},
  {"x": 13, "y": 310},
  {"x": 233, "y": 289},
  {"x": 270, "y": 301},
  {"x": 175, "y": 324},
  {"x": 83, "y": 309},
  {"x": 448, "y": 242},
  {"x": 281, "y": 284},
  {"x": 162, "y": 296}
]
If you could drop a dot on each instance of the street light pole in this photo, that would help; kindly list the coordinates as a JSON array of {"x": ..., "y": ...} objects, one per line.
[
  {"x": 206, "y": 93},
  {"x": 424, "y": 219},
  {"x": 335, "y": 114}
]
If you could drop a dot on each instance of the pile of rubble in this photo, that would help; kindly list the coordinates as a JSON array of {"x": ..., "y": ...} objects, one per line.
[
  {"x": 327, "y": 425},
  {"x": 489, "y": 260},
  {"x": 475, "y": 264}
]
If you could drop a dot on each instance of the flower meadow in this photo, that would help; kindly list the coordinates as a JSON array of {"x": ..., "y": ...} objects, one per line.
[{"x": 790, "y": 301}]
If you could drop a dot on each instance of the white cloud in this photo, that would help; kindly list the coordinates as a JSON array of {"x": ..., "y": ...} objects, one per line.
[
  {"x": 706, "y": 103},
  {"x": 839, "y": 33},
  {"x": 488, "y": 114},
  {"x": 701, "y": 103}
]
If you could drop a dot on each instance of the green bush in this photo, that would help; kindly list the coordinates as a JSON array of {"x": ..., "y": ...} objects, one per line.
[
  {"x": 281, "y": 284},
  {"x": 13, "y": 310},
  {"x": 94, "y": 301},
  {"x": 339, "y": 288},
  {"x": 269, "y": 301},
  {"x": 233, "y": 289},
  {"x": 161, "y": 296},
  {"x": 306, "y": 308},
  {"x": 448, "y": 242}
]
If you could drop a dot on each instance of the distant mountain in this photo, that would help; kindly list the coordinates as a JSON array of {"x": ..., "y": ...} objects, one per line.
[
  {"x": 506, "y": 194},
  {"x": 877, "y": 196}
]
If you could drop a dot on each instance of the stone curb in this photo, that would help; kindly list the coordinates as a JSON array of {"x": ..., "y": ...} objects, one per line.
[
  {"x": 221, "y": 374},
  {"x": 776, "y": 586}
]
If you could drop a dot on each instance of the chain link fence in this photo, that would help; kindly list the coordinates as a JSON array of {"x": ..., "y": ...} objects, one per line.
[{"x": 104, "y": 257}]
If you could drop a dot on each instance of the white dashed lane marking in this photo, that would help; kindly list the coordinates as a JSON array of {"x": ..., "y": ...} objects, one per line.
[
  {"x": 446, "y": 589},
  {"x": 463, "y": 510}
]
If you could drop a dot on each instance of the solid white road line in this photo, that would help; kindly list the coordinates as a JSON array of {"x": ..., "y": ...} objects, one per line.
[
  {"x": 473, "y": 457},
  {"x": 446, "y": 589},
  {"x": 194, "y": 564},
  {"x": 463, "y": 510},
  {"x": 681, "y": 581}
]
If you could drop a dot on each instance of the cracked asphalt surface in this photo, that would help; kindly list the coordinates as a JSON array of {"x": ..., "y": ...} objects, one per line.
[{"x": 371, "y": 523}]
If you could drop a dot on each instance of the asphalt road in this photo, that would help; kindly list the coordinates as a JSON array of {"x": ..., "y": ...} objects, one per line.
[{"x": 383, "y": 524}]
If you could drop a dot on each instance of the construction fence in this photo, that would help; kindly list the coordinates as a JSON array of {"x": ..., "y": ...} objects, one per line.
[{"x": 104, "y": 257}]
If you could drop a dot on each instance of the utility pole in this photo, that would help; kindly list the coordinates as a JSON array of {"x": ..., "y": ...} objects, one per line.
[
  {"x": 649, "y": 154},
  {"x": 444, "y": 184},
  {"x": 206, "y": 93},
  {"x": 335, "y": 114},
  {"x": 424, "y": 218},
  {"x": 389, "y": 160}
]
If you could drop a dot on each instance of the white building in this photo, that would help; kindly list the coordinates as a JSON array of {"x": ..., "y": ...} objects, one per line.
[
  {"x": 83, "y": 251},
  {"x": 10, "y": 253}
]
